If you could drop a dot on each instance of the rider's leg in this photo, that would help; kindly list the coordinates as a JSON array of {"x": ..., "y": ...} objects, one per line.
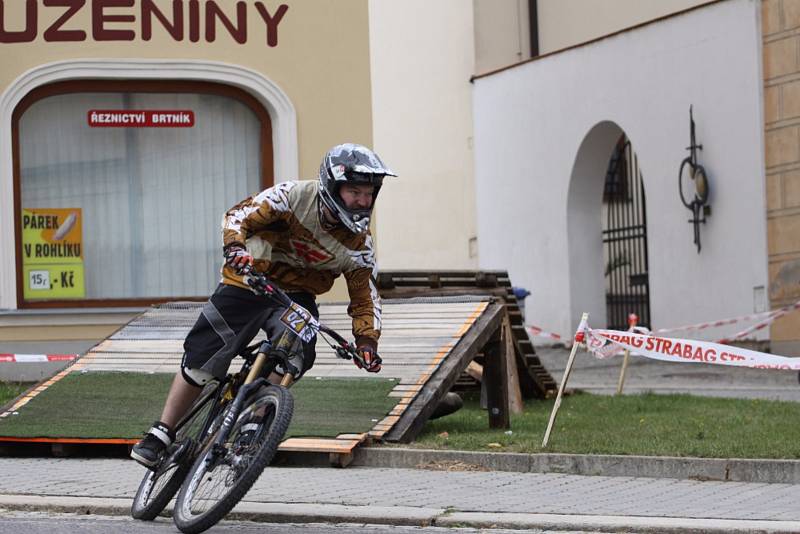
[
  {"x": 227, "y": 321},
  {"x": 179, "y": 399},
  {"x": 161, "y": 435}
]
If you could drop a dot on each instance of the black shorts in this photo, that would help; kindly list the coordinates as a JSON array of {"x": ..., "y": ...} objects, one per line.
[{"x": 230, "y": 320}]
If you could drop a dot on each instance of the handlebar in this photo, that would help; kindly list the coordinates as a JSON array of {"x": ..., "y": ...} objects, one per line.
[{"x": 345, "y": 350}]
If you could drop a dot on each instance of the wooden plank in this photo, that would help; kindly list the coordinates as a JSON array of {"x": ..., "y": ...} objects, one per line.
[
  {"x": 338, "y": 446},
  {"x": 134, "y": 345},
  {"x": 389, "y": 420},
  {"x": 405, "y": 319},
  {"x": 515, "y": 404},
  {"x": 413, "y": 419},
  {"x": 361, "y": 437},
  {"x": 407, "y": 387},
  {"x": 409, "y": 292},
  {"x": 406, "y": 306},
  {"x": 495, "y": 378}
]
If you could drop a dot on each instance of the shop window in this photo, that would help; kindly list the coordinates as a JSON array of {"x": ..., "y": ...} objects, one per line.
[{"x": 112, "y": 210}]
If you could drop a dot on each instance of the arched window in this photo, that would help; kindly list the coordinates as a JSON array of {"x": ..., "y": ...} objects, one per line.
[{"x": 120, "y": 187}]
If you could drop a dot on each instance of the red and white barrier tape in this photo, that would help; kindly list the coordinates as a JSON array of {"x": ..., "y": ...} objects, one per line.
[
  {"x": 27, "y": 358},
  {"x": 536, "y": 331},
  {"x": 769, "y": 317},
  {"x": 604, "y": 343}
]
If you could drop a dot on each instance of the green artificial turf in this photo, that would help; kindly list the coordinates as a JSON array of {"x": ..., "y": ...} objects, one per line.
[
  {"x": 646, "y": 424},
  {"x": 333, "y": 406},
  {"x": 91, "y": 405},
  {"x": 11, "y": 390},
  {"x": 123, "y": 405}
]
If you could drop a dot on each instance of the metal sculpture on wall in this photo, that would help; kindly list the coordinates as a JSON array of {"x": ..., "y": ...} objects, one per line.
[{"x": 691, "y": 170}]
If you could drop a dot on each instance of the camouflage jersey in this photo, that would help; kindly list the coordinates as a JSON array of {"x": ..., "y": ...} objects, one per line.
[{"x": 281, "y": 228}]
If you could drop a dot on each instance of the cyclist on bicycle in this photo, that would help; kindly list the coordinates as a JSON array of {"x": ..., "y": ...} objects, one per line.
[{"x": 303, "y": 235}]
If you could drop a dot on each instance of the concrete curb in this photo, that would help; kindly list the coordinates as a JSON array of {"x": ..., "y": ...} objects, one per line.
[
  {"x": 722, "y": 469},
  {"x": 660, "y": 525},
  {"x": 421, "y": 517}
]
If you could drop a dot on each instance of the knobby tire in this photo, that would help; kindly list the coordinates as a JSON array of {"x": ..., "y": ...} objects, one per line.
[{"x": 276, "y": 405}]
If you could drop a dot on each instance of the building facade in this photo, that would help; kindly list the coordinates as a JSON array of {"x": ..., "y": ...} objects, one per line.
[
  {"x": 548, "y": 188},
  {"x": 127, "y": 127}
]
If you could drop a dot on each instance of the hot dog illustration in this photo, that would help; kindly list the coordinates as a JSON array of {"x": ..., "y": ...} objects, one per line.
[{"x": 65, "y": 227}]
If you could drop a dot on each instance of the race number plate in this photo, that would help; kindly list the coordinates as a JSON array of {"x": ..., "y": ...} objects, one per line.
[{"x": 298, "y": 320}]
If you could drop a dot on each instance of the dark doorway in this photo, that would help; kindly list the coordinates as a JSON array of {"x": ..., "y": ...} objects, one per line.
[{"x": 625, "y": 239}]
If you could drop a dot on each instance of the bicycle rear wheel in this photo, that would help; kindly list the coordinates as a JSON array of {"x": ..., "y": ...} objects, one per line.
[
  {"x": 160, "y": 485},
  {"x": 219, "y": 479}
]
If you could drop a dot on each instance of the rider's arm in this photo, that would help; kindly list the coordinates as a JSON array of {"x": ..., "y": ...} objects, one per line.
[
  {"x": 256, "y": 213},
  {"x": 364, "y": 308}
]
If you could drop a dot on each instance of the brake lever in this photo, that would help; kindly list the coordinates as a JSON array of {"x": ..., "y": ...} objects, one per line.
[
  {"x": 343, "y": 353},
  {"x": 376, "y": 359},
  {"x": 257, "y": 281},
  {"x": 347, "y": 352}
]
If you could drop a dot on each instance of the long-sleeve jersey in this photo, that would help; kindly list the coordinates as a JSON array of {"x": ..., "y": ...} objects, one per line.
[{"x": 281, "y": 228}]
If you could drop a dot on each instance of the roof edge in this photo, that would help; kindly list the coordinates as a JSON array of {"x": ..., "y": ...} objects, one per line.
[{"x": 595, "y": 40}]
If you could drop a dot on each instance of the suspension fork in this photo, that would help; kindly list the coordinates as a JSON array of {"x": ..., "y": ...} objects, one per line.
[
  {"x": 258, "y": 363},
  {"x": 251, "y": 383},
  {"x": 284, "y": 346}
]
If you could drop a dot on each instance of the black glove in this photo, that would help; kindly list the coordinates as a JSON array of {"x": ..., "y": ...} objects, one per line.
[
  {"x": 372, "y": 362},
  {"x": 237, "y": 258}
]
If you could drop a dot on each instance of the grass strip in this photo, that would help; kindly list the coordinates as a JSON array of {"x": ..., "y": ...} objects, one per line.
[
  {"x": 11, "y": 390},
  {"x": 646, "y": 424},
  {"x": 123, "y": 405}
]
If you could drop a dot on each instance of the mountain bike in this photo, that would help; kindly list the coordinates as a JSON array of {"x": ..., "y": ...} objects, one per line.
[{"x": 232, "y": 431}]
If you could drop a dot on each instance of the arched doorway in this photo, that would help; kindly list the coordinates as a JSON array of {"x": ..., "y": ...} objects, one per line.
[
  {"x": 624, "y": 231},
  {"x": 588, "y": 210}
]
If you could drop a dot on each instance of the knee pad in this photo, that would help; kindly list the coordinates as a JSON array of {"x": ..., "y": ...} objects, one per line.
[{"x": 196, "y": 377}]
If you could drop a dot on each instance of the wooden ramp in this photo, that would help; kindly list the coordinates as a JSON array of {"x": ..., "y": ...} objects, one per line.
[
  {"x": 534, "y": 380},
  {"x": 425, "y": 344}
]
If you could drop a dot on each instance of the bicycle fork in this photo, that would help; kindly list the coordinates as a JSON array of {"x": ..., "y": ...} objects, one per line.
[{"x": 253, "y": 381}]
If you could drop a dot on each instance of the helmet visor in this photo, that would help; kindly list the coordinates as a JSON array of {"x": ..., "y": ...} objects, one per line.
[{"x": 365, "y": 178}]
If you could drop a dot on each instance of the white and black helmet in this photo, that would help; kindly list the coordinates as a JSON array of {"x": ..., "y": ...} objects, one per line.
[{"x": 353, "y": 164}]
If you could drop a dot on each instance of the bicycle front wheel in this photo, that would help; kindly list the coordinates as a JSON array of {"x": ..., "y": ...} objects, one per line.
[
  {"x": 160, "y": 485},
  {"x": 220, "y": 477}
]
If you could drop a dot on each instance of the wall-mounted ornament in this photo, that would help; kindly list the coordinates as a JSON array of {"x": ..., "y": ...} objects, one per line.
[{"x": 693, "y": 184}]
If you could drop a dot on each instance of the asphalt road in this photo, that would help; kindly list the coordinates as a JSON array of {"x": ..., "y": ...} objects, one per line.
[{"x": 46, "y": 523}]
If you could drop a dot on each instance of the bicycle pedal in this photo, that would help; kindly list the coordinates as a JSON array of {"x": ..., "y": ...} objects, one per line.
[{"x": 174, "y": 454}]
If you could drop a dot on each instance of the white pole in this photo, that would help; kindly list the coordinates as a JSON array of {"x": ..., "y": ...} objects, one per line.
[
  {"x": 567, "y": 370},
  {"x": 633, "y": 319},
  {"x": 621, "y": 382}
]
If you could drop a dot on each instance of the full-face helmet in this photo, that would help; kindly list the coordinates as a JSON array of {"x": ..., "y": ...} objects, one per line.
[{"x": 350, "y": 164}]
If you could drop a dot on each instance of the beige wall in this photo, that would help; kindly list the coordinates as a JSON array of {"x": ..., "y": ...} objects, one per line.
[
  {"x": 422, "y": 112},
  {"x": 321, "y": 61},
  {"x": 502, "y": 33},
  {"x": 564, "y": 23},
  {"x": 781, "y": 34}
]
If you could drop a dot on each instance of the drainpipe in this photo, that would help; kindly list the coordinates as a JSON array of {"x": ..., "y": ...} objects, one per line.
[{"x": 533, "y": 17}]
